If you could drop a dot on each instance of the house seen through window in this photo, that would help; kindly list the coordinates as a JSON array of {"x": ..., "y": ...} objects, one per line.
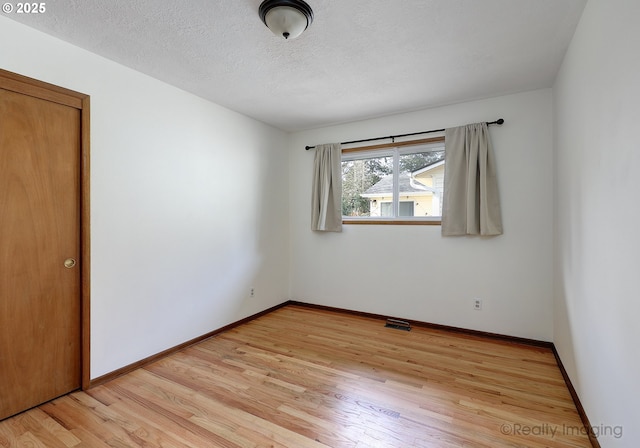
[{"x": 402, "y": 183}]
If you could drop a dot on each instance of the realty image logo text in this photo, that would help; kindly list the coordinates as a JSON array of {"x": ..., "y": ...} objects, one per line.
[{"x": 519, "y": 429}]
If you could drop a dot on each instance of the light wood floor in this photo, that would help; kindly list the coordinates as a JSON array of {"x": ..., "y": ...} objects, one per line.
[{"x": 301, "y": 377}]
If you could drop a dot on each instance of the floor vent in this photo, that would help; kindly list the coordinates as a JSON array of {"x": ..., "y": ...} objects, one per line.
[{"x": 398, "y": 324}]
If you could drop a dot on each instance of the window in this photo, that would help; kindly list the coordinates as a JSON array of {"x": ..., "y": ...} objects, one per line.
[
  {"x": 406, "y": 208},
  {"x": 401, "y": 184}
]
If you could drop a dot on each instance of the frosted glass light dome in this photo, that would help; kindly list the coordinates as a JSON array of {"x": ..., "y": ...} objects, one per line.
[{"x": 286, "y": 18}]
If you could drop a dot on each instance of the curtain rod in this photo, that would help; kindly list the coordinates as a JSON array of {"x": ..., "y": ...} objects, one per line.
[{"x": 498, "y": 121}]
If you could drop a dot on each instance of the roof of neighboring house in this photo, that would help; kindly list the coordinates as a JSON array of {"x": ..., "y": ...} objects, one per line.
[
  {"x": 429, "y": 167},
  {"x": 407, "y": 185}
]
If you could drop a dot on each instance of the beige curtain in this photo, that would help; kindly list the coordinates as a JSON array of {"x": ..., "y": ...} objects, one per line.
[
  {"x": 471, "y": 203},
  {"x": 326, "y": 200}
]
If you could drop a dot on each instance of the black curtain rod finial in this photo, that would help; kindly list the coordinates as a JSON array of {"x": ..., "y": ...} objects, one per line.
[{"x": 393, "y": 137}]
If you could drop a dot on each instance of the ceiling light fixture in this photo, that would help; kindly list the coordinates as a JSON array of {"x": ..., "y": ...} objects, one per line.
[{"x": 286, "y": 18}]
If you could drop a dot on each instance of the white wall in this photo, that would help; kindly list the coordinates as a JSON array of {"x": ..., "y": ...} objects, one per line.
[
  {"x": 188, "y": 210},
  {"x": 382, "y": 269},
  {"x": 597, "y": 303}
]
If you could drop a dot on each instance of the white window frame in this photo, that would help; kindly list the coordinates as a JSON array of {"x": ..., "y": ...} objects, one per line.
[{"x": 395, "y": 152}]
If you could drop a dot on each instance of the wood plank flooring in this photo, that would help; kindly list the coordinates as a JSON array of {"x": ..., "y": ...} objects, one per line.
[{"x": 301, "y": 377}]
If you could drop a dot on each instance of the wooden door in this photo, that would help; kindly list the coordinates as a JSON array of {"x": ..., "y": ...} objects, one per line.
[{"x": 40, "y": 223}]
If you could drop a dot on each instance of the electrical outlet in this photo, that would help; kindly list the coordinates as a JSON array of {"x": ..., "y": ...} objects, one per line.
[
  {"x": 252, "y": 292},
  {"x": 477, "y": 304}
]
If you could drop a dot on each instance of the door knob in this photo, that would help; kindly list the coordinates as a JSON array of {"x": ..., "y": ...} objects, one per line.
[{"x": 69, "y": 263}]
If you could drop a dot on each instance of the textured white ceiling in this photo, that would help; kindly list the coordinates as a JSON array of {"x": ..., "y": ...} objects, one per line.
[{"x": 359, "y": 59}]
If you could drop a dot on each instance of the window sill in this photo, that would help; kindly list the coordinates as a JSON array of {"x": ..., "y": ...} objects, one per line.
[{"x": 396, "y": 222}]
